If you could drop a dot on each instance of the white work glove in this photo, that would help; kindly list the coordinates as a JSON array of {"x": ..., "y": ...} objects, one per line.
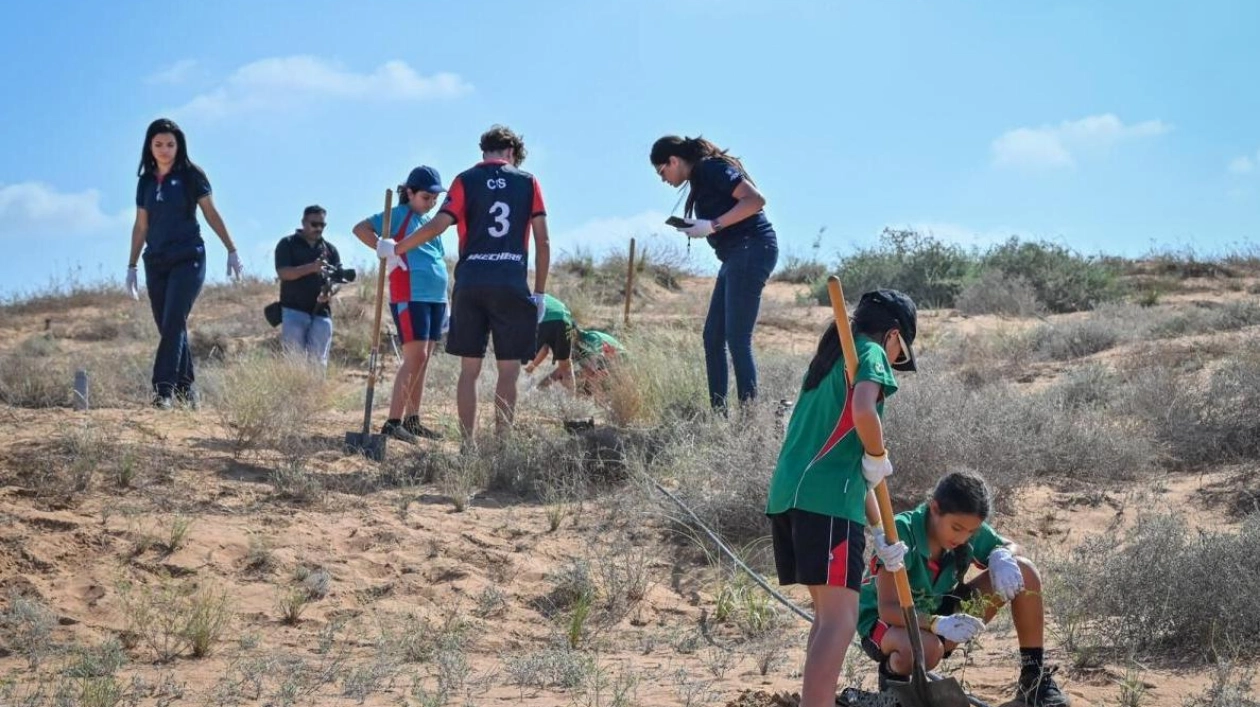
[
  {"x": 891, "y": 556},
  {"x": 699, "y": 228},
  {"x": 958, "y": 628},
  {"x": 540, "y": 303},
  {"x": 876, "y": 469},
  {"x": 1007, "y": 578},
  {"x": 234, "y": 267},
  {"x": 133, "y": 288},
  {"x": 385, "y": 248},
  {"x": 394, "y": 261}
]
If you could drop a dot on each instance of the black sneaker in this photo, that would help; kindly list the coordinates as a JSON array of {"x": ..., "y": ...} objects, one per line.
[
  {"x": 393, "y": 428},
  {"x": 1037, "y": 688},
  {"x": 163, "y": 402},
  {"x": 887, "y": 678},
  {"x": 189, "y": 398},
  {"x": 412, "y": 425}
]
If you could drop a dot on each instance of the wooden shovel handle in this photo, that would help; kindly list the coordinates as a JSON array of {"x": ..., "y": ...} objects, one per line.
[{"x": 849, "y": 347}]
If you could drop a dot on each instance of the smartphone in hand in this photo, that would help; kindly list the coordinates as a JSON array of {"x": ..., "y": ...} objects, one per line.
[{"x": 677, "y": 222}]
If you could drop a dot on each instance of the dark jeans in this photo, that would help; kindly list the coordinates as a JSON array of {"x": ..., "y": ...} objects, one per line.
[
  {"x": 732, "y": 315},
  {"x": 173, "y": 288}
]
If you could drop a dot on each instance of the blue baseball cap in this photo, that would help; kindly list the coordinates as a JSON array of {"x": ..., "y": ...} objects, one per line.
[{"x": 425, "y": 178}]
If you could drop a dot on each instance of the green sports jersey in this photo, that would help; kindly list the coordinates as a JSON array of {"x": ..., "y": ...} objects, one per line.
[
  {"x": 930, "y": 580},
  {"x": 555, "y": 311},
  {"x": 820, "y": 464}
]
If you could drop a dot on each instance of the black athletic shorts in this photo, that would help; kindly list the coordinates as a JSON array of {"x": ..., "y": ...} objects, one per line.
[
  {"x": 506, "y": 313},
  {"x": 950, "y": 603},
  {"x": 816, "y": 549},
  {"x": 557, "y": 336}
]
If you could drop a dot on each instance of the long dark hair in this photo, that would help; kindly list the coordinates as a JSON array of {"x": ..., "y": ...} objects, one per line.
[
  {"x": 691, "y": 150},
  {"x": 868, "y": 320},
  {"x": 148, "y": 163}
]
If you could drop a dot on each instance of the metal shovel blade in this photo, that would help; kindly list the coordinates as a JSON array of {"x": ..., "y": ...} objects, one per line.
[
  {"x": 945, "y": 692},
  {"x": 369, "y": 445}
]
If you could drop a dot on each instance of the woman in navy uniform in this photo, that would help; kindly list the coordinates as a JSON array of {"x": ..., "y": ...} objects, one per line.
[
  {"x": 170, "y": 188},
  {"x": 724, "y": 206}
]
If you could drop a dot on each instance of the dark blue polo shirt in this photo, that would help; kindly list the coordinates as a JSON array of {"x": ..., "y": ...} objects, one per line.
[
  {"x": 171, "y": 203},
  {"x": 492, "y": 205},
  {"x": 713, "y": 181}
]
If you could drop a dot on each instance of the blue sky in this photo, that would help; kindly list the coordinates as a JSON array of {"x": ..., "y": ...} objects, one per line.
[{"x": 1108, "y": 126}]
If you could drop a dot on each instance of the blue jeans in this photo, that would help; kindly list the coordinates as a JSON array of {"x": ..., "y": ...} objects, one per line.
[
  {"x": 306, "y": 333},
  {"x": 173, "y": 289},
  {"x": 732, "y": 315}
]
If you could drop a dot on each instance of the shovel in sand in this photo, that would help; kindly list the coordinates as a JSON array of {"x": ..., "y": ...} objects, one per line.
[
  {"x": 365, "y": 442},
  {"x": 920, "y": 691}
]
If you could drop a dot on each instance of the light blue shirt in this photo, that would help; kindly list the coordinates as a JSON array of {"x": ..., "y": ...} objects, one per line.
[{"x": 424, "y": 280}]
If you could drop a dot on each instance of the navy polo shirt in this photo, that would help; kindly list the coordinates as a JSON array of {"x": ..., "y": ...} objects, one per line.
[
  {"x": 302, "y": 294},
  {"x": 713, "y": 182},
  {"x": 171, "y": 203},
  {"x": 493, "y": 204}
]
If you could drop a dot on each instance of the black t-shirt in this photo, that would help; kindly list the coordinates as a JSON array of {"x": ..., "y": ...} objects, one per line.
[
  {"x": 302, "y": 294},
  {"x": 171, "y": 203},
  {"x": 713, "y": 181}
]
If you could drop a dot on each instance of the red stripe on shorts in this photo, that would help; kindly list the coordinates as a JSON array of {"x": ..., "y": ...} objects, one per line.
[{"x": 838, "y": 565}]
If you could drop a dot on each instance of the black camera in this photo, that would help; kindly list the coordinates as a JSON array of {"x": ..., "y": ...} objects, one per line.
[{"x": 336, "y": 275}]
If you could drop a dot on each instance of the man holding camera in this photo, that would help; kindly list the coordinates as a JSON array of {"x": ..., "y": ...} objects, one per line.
[{"x": 309, "y": 267}]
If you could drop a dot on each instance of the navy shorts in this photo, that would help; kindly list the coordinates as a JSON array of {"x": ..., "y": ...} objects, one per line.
[
  {"x": 505, "y": 313},
  {"x": 818, "y": 550},
  {"x": 418, "y": 321}
]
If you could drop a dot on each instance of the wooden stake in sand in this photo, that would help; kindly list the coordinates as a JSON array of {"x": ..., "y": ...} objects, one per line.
[{"x": 629, "y": 283}]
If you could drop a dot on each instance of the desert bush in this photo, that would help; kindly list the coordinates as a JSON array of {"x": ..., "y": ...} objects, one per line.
[
  {"x": 996, "y": 292},
  {"x": 1200, "y": 423},
  {"x": 1115, "y": 597},
  {"x": 1064, "y": 280},
  {"x": 1232, "y": 686},
  {"x": 803, "y": 270},
  {"x": 265, "y": 399},
  {"x": 558, "y": 667},
  {"x": 172, "y": 618},
  {"x": 32, "y": 375},
  {"x": 931, "y": 271},
  {"x": 1076, "y": 338},
  {"x": 26, "y": 627}
]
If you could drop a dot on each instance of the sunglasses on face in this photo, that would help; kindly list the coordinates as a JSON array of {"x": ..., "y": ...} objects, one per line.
[
  {"x": 660, "y": 170},
  {"x": 317, "y": 224}
]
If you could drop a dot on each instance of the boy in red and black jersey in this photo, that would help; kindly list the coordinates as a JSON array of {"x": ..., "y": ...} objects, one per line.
[{"x": 496, "y": 208}]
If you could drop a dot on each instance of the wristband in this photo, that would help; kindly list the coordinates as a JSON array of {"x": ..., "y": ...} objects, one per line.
[
  {"x": 131, "y": 266},
  {"x": 878, "y": 457},
  {"x": 932, "y": 623},
  {"x": 717, "y": 225}
]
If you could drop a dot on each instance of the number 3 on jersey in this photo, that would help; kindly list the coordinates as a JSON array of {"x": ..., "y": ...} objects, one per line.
[{"x": 500, "y": 212}]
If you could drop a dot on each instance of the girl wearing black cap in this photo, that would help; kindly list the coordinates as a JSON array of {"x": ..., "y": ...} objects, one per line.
[
  {"x": 725, "y": 207},
  {"x": 170, "y": 188},
  {"x": 833, "y": 453}
]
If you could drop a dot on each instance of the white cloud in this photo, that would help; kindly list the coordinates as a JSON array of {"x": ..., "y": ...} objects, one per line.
[
  {"x": 176, "y": 73},
  {"x": 1243, "y": 165},
  {"x": 35, "y": 210},
  {"x": 1054, "y": 146},
  {"x": 279, "y": 82}
]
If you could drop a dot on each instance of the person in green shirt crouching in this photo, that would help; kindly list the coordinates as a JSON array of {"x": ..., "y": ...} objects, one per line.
[
  {"x": 556, "y": 333},
  {"x": 833, "y": 453},
  {"x": 944, "y": 536}
]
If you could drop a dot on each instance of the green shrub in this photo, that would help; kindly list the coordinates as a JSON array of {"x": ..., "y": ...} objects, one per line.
[
  {"x": 1064, "y": 280},
  {"x": 930, "y": 271}
]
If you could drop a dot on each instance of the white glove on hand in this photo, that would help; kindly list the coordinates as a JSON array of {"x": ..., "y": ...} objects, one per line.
[
  {"x": 1007, "y": 578},
  {"x": 891, "y": 556},
  {"x": 394, "y": 261},
  {"x": 385, "y": 248},
  {"x": 234, "y": 267},
  {"x": 958, "y": 628},
  {"x": 876, "y": 469},
  {"x": 133, "y": 288},
  {"x": 541, "y": 304},
  {"x": 699, "y": 228}
]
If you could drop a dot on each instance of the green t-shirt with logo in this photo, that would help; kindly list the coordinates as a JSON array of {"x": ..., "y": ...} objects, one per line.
[
  {"x": 556, "y": 311},
  {"x": 820, "y": 464},
  {"x": 930, "y": 580}
]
